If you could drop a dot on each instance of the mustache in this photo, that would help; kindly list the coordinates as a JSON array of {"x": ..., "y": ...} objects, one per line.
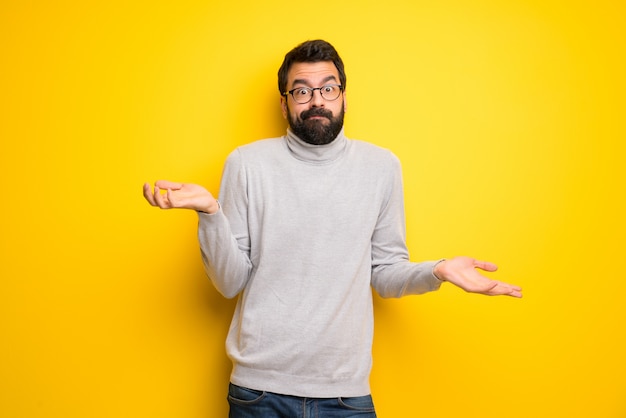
[{"x": 316, "y": 111}]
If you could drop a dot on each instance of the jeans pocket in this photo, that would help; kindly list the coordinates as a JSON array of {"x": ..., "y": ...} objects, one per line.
[
  {"x": 244, "y": 396},
  {"x": 358, "y": 403}
]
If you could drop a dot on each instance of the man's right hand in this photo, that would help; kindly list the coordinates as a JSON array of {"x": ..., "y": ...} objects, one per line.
[{"x": 180, "y": 195}]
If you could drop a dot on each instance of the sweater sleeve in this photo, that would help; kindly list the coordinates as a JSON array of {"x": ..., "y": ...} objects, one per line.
[
  {"x": 223, "y": 236},
  {"x": 393, "y": 275}
]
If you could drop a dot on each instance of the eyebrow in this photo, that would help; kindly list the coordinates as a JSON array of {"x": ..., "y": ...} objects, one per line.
[{"x": 305, "y": 82}]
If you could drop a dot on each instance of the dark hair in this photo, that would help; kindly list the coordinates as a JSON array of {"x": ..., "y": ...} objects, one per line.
[{"x": 310, "y": 51}]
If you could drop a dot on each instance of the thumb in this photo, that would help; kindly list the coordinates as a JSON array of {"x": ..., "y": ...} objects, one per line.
[
  {"x": 485, "y": 265},
  {"x": 165, "y": 184}
]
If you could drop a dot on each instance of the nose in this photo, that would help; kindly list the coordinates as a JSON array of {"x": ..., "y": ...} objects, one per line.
[{"x": 317, "y": 100}]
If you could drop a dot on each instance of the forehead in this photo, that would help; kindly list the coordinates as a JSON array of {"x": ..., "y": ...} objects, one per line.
[{"x": 312, "y": 73}]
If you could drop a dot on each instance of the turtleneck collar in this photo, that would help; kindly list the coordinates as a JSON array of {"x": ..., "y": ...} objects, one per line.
[{"x": 316, "y": 153}]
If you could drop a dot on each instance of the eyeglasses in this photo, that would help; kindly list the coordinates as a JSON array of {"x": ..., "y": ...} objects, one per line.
[{"x": 304, "y": 95}]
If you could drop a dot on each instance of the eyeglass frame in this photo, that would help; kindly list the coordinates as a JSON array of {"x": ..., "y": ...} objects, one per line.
[{"x": 312, "y": 89}]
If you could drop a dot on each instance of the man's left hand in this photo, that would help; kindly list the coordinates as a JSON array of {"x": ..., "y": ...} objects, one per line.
[{"x": 462, "y": 272}]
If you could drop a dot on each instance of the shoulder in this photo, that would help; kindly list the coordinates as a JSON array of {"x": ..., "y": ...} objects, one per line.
[
  {"x": 262, "y": 145},
  {"x": 374, "y": 155},
  {"x": 257, "y": 150}
]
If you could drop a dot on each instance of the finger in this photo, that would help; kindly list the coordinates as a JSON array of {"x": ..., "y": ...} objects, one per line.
[
  {"x": 515, "y": 291},
  {"x": 512, "y": 292},
  {"x": 160, "y": 198},
  {"x": 165, "y": 184},
  {"x": 510, "y": 286},
  {"x": 171, "y": 199},
  {"x": 147, "y": 194},
  {"x": 485, "y": 265},
  {"x": 507, "y": 289}
]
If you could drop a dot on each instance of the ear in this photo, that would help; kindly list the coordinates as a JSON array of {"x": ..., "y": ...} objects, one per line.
[
  {"x": 283, "y": 106},
  {"x": 345, "y": 103}
]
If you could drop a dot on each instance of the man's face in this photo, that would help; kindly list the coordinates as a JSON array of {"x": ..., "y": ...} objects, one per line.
[{"x": 319, "y": 121}]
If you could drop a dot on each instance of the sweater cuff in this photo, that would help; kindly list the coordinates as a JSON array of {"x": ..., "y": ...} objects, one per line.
[
  {"x": 433, "y": 270},
  {"x": 209, "y": 219}
]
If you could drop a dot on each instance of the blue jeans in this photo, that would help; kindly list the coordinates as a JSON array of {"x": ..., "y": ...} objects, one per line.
[{"x": 250, "y": 403}]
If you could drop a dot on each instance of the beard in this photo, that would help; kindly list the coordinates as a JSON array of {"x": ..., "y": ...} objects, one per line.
[{"x": 316, "y": 131}]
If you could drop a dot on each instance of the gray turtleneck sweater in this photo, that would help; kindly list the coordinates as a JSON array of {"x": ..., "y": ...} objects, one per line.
[{"x": 302, "y": 235}]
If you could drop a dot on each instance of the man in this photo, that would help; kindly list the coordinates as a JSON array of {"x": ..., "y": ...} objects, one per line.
[{"x": 305, "y": 226}]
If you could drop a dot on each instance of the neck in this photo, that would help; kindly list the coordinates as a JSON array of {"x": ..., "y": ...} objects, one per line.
[{"x": 316, "y": 153}]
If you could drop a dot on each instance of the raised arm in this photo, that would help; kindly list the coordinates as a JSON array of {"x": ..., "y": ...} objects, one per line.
[
  {"x": 226, "y": 263},
  {"x": 394, "y": 276}
]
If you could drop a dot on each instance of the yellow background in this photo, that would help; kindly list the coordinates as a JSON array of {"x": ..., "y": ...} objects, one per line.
[{"x": 508, "y": 117}]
